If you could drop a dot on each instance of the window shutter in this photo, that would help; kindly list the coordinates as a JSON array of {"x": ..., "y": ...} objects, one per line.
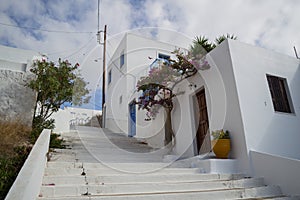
[{"x": 278, "y": 94}]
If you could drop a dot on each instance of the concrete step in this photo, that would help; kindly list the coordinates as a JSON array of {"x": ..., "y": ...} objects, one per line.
[
  {"x": 276, "y": 198},
  {"x": 112, "y": 172},
  {"x": 133, "y": 188},
  {"x": 109, "y": 171},
  {"x": 137, "y": 178},
  {"x": 151, "y": 165},
  {"x": 238, "y": 193},
  {"x": 287, "y": 198}
]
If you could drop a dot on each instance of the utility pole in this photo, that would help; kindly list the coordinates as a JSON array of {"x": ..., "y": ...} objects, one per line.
[
  {"x": 104, "y": 64},
  {"x": 104, "y": 68}
]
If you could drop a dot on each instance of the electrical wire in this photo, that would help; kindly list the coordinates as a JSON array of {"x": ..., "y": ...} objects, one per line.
[
  {"x": 80, "y": 48},
  {"x": 46, "y": 30},
  {"x": 113, "y": 63},
  {"x": 117, "y": 67}
]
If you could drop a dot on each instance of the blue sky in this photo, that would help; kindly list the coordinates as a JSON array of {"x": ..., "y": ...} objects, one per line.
[{"x": 67, "y": 29}]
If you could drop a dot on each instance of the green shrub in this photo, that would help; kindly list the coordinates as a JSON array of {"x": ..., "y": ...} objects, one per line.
[
  {"x": 39, "y": 125},
  {"x": 14, "y": 149},
  {"x": 56, "y": 141},
  {"x": 10, "y": 167}
]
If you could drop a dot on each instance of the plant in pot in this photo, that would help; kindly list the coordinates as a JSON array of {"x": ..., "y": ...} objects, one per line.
[{"x": 221, "y": 143}]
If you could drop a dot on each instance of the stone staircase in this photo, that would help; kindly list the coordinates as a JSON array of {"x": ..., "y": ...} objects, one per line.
[{"x": 71, "y": 175}]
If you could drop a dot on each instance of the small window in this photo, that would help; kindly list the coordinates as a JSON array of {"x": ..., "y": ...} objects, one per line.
[
  {"x": 120, "y": 99},
  {"x": 109, "y": 77},
  {"x": 122, "y": 59},
  {"x": 280, "y": 94},
  {"x": 163, "y": 56}
]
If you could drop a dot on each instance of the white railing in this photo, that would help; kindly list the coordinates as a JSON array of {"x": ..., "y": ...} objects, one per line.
[
  {"x": 277, "y": 170},
  {"x": 29, "y": 180}
]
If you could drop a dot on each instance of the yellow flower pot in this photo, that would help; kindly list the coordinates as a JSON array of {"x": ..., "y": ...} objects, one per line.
[{"x": 221, "y": 147}]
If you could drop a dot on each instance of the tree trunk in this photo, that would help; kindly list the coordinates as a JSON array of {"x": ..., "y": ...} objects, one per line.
[
  {"x": 34, "y": 112},
  {"x": 168, "y": 127}
]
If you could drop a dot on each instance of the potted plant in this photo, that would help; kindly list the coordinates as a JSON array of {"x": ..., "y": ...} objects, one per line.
[{"x": 221, "y": 143}]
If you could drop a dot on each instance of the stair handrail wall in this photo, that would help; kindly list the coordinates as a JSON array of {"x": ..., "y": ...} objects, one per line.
[
  {"x": 277, "y": 170},
  {"x": 29, "y": 180}
]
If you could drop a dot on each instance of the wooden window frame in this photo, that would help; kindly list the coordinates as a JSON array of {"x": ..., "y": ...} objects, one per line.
[{"x": 280, "y": 94}]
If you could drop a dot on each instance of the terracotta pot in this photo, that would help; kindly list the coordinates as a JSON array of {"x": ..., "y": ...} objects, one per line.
[{"x": 221, "y": 147}]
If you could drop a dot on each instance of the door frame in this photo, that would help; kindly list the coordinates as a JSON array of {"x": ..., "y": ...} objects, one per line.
[
  {"x": 207, "y": 140},
  {"x": 131, "y": 123}
]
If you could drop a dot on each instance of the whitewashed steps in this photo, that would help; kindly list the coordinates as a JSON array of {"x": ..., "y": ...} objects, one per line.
[
  {"x": 94, "y": 171},
  {"x": 63, "y": 180},
  {"x": 243, "y": 193},
  {"x": 106, "y": 165},
  {"x": 147, "y": 187},
  {"x": 275, "y": 198},
  {"x": 136, "y": 178}
]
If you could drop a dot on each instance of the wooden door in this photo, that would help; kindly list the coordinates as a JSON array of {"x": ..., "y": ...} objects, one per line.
[{"x": 203, "y": 142}]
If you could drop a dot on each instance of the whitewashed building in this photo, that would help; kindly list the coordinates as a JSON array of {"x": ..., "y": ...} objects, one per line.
[
  {"x": 131, "y": 60},
  {"x": 17, "y": 101},
  {"x": 250, "y": 91}
]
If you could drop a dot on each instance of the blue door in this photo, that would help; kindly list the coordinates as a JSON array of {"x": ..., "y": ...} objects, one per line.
[{"x": 132, "y": 120}]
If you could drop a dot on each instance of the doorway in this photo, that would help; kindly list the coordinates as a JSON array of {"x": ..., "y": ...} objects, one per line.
[
  {"x": 202, "y": 135},
  {"x": 132, "y": 120}
]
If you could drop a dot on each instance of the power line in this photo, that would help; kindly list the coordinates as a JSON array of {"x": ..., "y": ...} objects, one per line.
[
  {"x": 46, "y": 30},
  {"x": 80, "y": 48},
  {"x": 116, "y": 66},
  {"x": 113, "y": 63}
]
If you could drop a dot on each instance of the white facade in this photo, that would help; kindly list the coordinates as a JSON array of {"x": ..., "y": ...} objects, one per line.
[
  {"x": 238, "y": 99},
  {"x": 17, "y": 59},
  {"x": 17, "y": 101},
  {"x": 237, "y": 95},
  {"x": 136, "y": 53}
]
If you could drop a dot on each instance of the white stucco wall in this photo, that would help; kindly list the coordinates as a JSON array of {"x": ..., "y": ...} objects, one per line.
[
  {"x": 218, "y": 83},
  {"x": 137, "y": 50},
  {"x": 277, "y": 170},
  {"x": 70, "y": 116},
  {"x": 226, "y": 107},
  {"x": 17, "y": 100},
  {"x": 16, "y": 55},
  {"x": 152, "y": 131},
  {"x": 29, "y": 180},
  {"x": 115, "y": 111},
  {"x": 222, "y": 105},
  {"x": 266, "y": 130}
]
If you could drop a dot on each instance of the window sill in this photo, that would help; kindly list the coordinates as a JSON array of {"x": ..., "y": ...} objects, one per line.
[{"x": 285, "y": 113}]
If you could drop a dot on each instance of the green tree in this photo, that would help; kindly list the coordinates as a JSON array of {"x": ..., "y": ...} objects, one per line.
[
  {"x": 221, "y": 38},
  {"x": 202, "y": 45},
  {"x": 55, "y": 85}
]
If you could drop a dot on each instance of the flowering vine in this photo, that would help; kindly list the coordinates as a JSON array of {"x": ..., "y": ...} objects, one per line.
[{"x": 157, "y": 88}]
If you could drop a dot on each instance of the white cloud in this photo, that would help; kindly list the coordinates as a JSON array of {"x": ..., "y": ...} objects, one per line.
[{"x": 270, "y": 24}]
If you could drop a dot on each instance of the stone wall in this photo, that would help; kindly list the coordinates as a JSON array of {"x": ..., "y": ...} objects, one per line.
[{"x": 16, "y": 100}]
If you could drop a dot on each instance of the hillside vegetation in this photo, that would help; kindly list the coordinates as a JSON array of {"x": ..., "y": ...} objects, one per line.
[{"x": 14, "y": 149}]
